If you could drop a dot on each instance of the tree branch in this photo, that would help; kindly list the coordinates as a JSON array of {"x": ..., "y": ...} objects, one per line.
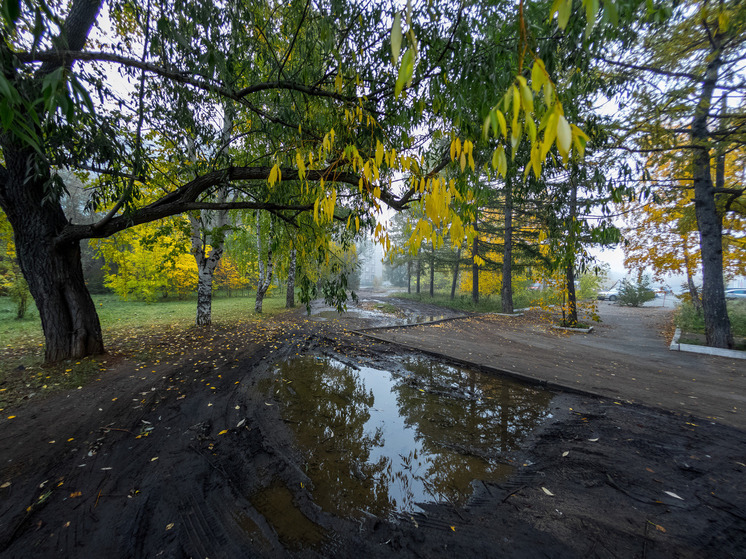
[
  {"x": 70, "y": 56},
  {"x": 651, "y": 69}
]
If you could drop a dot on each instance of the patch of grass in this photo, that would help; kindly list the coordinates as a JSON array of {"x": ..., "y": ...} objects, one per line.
[
  {"x": 690, "y": 321},
  {"x": 461, "y": 303},
  {"x": 129, "y": 326},
  {"x": 387, "y": 308}
]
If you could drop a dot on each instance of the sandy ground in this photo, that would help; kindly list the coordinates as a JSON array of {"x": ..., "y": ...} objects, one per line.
[{"x": 190, "y": 457}]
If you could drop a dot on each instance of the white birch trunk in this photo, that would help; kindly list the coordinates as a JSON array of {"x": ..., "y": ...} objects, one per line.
[
  {"x": 290, "y": 296},
  {"x": 265, "y": 271}
]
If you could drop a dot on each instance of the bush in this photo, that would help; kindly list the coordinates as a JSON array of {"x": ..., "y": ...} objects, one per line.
[{"x": 636, "y": 294}]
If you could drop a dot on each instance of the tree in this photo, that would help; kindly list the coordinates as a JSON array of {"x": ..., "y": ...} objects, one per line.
[
  {"x": 266, "y": 263},
  {"x": 317, "y": 107},
  {"x": 636, "y": 294},
  {"x": 682, "y": 72}
]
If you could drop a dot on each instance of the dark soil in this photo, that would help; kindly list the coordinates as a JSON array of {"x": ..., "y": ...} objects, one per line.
[{"x": 188, "y": 457}]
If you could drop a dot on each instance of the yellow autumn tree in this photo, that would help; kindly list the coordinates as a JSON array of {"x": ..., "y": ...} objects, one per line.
[
  {"x": 149, "y": 262},
  {"x": 661, "y": 232}
]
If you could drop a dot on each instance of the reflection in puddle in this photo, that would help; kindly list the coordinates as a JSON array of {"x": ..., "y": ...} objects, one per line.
[
  {"x": 293, "y": 528},
  {"x": 381, "y": 442}
]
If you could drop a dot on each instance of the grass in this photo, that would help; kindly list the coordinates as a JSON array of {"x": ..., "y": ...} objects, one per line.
[
  {"x": 117, "y": 315},
  {"x": 487, "y": 304},
  {"x": 462, "y": 303},
  {"x": 692, "y": 324},
  {"x": 690, "y": 321},
  {"x": 126, "y": 325}
]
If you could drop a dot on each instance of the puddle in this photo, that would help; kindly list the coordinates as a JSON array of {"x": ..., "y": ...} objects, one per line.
[
  {"x": 381, "y": 442},
  {"x": 294, "y": 530}
]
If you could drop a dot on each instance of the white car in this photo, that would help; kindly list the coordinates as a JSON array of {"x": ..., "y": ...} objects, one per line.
[{"x": 610, "y": 294}]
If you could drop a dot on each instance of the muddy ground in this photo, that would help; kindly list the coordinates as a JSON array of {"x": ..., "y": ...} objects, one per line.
[{"x": 187, "y": 455}]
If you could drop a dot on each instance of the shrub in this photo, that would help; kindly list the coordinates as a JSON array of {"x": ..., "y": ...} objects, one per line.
[{"x": 636, "y": 294}]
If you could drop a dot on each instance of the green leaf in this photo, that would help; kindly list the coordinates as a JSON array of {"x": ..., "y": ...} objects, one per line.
[
  {"x": 396, "y": 37},
  {"x": 591, "y": 9},
  {"x": 565, "y": 9},
  {"x": 11, "y": 11},
  {"x": 405, "y": 72}
]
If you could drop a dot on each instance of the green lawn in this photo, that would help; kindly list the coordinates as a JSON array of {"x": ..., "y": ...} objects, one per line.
[{"x": 117, "y": 315}]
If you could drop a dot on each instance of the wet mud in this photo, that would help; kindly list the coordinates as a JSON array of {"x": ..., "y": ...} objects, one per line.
[{"x": 278, "y": 451}]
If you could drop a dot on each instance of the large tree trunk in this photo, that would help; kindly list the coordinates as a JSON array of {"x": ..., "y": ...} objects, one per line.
[
  {"x": 506, "y": 292},
  {"x": 709, "y": 222},
  {"x": 54, "y": 273},
  {"x": 290, "y": 295}
]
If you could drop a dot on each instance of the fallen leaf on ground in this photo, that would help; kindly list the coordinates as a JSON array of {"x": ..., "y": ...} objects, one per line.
[
  {"x": 593, "y": 440},
  {"x": 545, "y": 490},
  {"x": 565, "y": 453},
  {"x": 169, "y": 526},
  {"x": 4, "y": 485},
  {"x": 674, "y": 495},
  {"x": 223, "y": 432}
]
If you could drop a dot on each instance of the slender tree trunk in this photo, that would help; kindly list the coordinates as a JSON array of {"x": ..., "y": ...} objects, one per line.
[
  {"x": 265, "y": 275},
  {"x": 54, "y": 273},
  {"x": 432, "y": 271},
  {"x": 204, "y": 236},
  {"x": 709, "y": 222},
  {"x": 290, "y": 296},
  {"x": 696, "y": 301},
  {"x": 419, "y": 271},
  {"x": 475, "y": 271},
  {"x": 409, "y": 276},
  {"x": 572, "y": 303},
  {"x": 455, "y": 274},
  {"x": 506, "y": 291}
]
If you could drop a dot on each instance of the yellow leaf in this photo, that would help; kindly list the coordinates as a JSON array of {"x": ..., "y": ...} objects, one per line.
[
  {"x": 564, "y": 136},
  {"x": 538, "y": 75},
  {"x": 723, "y": 21},
  {"x": 545, "y": 490},
  {"x": 502, "y": 122},
  {"x": 379, "y": 153},
  {"x": 527, "y": 98},
  {"x": 223, "y": 432}
]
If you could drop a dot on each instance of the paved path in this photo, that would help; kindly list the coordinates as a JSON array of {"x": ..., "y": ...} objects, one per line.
[{"x": 626, "y": 358}]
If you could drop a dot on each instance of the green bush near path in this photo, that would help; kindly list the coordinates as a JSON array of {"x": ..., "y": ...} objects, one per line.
[{"x": 689, "y": 320}]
